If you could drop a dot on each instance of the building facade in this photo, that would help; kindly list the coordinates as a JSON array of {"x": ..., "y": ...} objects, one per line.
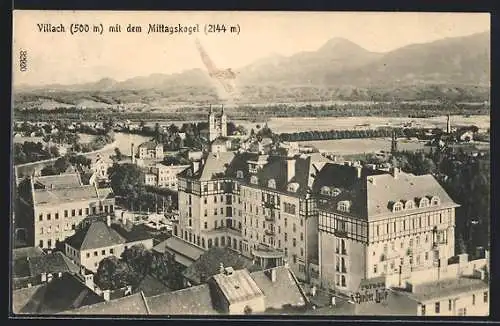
[
  {"x": 374, "y": 223},
  {"x": 54, "y": 205},
  {"x": 163, "y": 176},
  {"x": 259, "y": 205},
  {"x": 150, "y": 150},
  {"x": 87, "y": 247}
]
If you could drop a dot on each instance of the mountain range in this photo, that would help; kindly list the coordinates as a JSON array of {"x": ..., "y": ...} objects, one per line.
[{"x": 460, "y": 62}]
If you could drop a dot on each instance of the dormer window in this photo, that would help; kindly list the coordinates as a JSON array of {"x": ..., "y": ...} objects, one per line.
[
  {"x": 271, "y": 183},
  {"x": 397, "y": 207},
  {"x": 325, "y": 191},
  {"x": 410, "y": 204},
  {"x": 335, "y": 192},
  {"x": 344, "y": 206},
  {"x": 239, "y": 174},
  {"x": 254, "y": 180},
  {"x": 435, "y": 201},
  {"x": 293, "y": 187},
  {"x": 424, "y": 202}
]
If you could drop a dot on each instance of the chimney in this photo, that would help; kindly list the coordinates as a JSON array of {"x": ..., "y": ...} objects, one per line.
[
  {"x": 358, "y": 170},
  {"x": 394, "y": 172},
  {"x": 108, "y": 221},
  {"x": 221, "y": 268},
  {"x": 196, "y": 166},
  {"x": 290, "y": 164},
  {"x": 132, "y": 153},
  {"x": 106, "y": 295},
  {"x": 89, "y": 281},
  {"x": 273, "y": 275}
]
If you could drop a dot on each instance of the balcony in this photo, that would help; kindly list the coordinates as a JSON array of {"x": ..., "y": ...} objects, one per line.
[{"x": 269, "y": 232}]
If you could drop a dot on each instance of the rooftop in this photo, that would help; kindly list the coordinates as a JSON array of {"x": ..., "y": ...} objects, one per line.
[
  {"x": 66, "y": 180},
  {"x": 447, "y": 288},
  {"x": 191, "y": 301},
  {"x": 372, "y": 193},
  {"x": 55, "y": 262},
  {"x": 151, "y": 145},
  {"x": 134, "y": 304},
  {"x": 281, "y": 293},
  {"x": 63, "y": 195},
  {"x": 95, "y": 235},
  {"x": 53, "y": 297},
  {"x": 26, "y": 252},
  {"x": 237, "y": 286},
  {"x": 179, "y": 247},
  {"x": 208, "y": 264}
]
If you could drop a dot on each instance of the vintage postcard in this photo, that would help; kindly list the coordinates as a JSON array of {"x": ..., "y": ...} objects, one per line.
[{"x": 250, "y": 163}]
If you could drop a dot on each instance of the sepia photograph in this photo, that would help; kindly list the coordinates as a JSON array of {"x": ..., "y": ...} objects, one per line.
[{"x": 208, "y": 164}]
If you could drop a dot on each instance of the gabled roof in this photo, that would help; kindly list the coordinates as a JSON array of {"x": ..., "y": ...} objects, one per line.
[
  {"x": 96, "y": 235},
  {"x": 53, "y": 297},
  {"x": 134, "y": 304},
  {"x": 134, "y": 234},
  {"x": 237, "y": 287},
  {"x": 185, "y": 253},
  {"x": 195, "y": 300}
]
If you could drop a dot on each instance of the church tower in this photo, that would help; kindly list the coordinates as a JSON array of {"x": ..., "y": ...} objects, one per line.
[{"x": 217, "y": 125}]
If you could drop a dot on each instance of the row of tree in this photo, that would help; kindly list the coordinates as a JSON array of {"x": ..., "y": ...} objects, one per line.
[{"x": 62, "y": 164}]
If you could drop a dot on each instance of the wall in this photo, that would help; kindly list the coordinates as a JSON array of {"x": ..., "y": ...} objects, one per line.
[
  {"x": 91, "y": 262},
  {"x": 461, "y": 301}
]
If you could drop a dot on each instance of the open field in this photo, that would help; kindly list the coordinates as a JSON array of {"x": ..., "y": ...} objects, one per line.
[{"x": 359, "y": 146}]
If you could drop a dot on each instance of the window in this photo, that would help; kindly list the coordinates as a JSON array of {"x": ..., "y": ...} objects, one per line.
[
  {"x": 48, "y": 216},
  {"x": 103, "y": 252},
  {"x": 111, "y": 251},
  {"x": 215, "y": 199},
  {"x": 409, "y": 204},
  {"x": 473, "y": 299},
  {"x": 57, "y": 216},
  {"x": 40, "y": 244},
  {"x": 88, "y": 254},
  {"x": 423, "y": 310},
  {"x": 254, "y": 180},
  {"x": 325, "y": 190},
  {"x": 343, "y": 206},
  {"x": 424, "y": 202},
  {"x": 301, "y": 236},
  {"x": 215, "y": 224},
  {"x": 449, "y": 305},
  {"x": 397, "y": 207},
  {"x": 271, "y": 184},
  {"x": 485, "y": 297},
  {"x": 66, "y": 213},
  {"x": 80, "y": 211},
  {"x": 294, "y": 242},
  {"x": 205, "y": 200},
  {"x": 215, "y": 211},
  {"x": 95, "y": 253},
  {"x": 86, "y": 211},
  {"x": 239, "y": 174},
  {"x": 73, "y": 212},
  {"x": 343, "y": 281},
  {"x": 375, "y": 269},
  {"x": 205, "y": 213},
  {"x": 206, "y": 225},
  {"x": 437, "y": 308},
  {"x": 435, "y": 201},
  {"x": 426, "y": 256}
]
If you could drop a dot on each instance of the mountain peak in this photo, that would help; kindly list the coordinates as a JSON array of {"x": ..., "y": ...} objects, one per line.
[{"x": 341, "y": 45}]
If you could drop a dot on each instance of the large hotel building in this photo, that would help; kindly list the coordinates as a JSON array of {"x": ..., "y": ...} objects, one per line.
[{"x": 334, "y": 224}]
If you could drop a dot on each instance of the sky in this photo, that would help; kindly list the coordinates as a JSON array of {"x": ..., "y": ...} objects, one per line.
[{"x": 63, "y": 58}]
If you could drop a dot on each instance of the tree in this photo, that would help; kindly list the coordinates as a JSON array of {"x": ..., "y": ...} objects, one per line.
[
  {"x": 61, "y": 164},
  {"x": 113, "y": 274},
  {"x": 118, "y": 154},
  {"x": 166, "y": 268},
  {"x": 138, "y": 259}
]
